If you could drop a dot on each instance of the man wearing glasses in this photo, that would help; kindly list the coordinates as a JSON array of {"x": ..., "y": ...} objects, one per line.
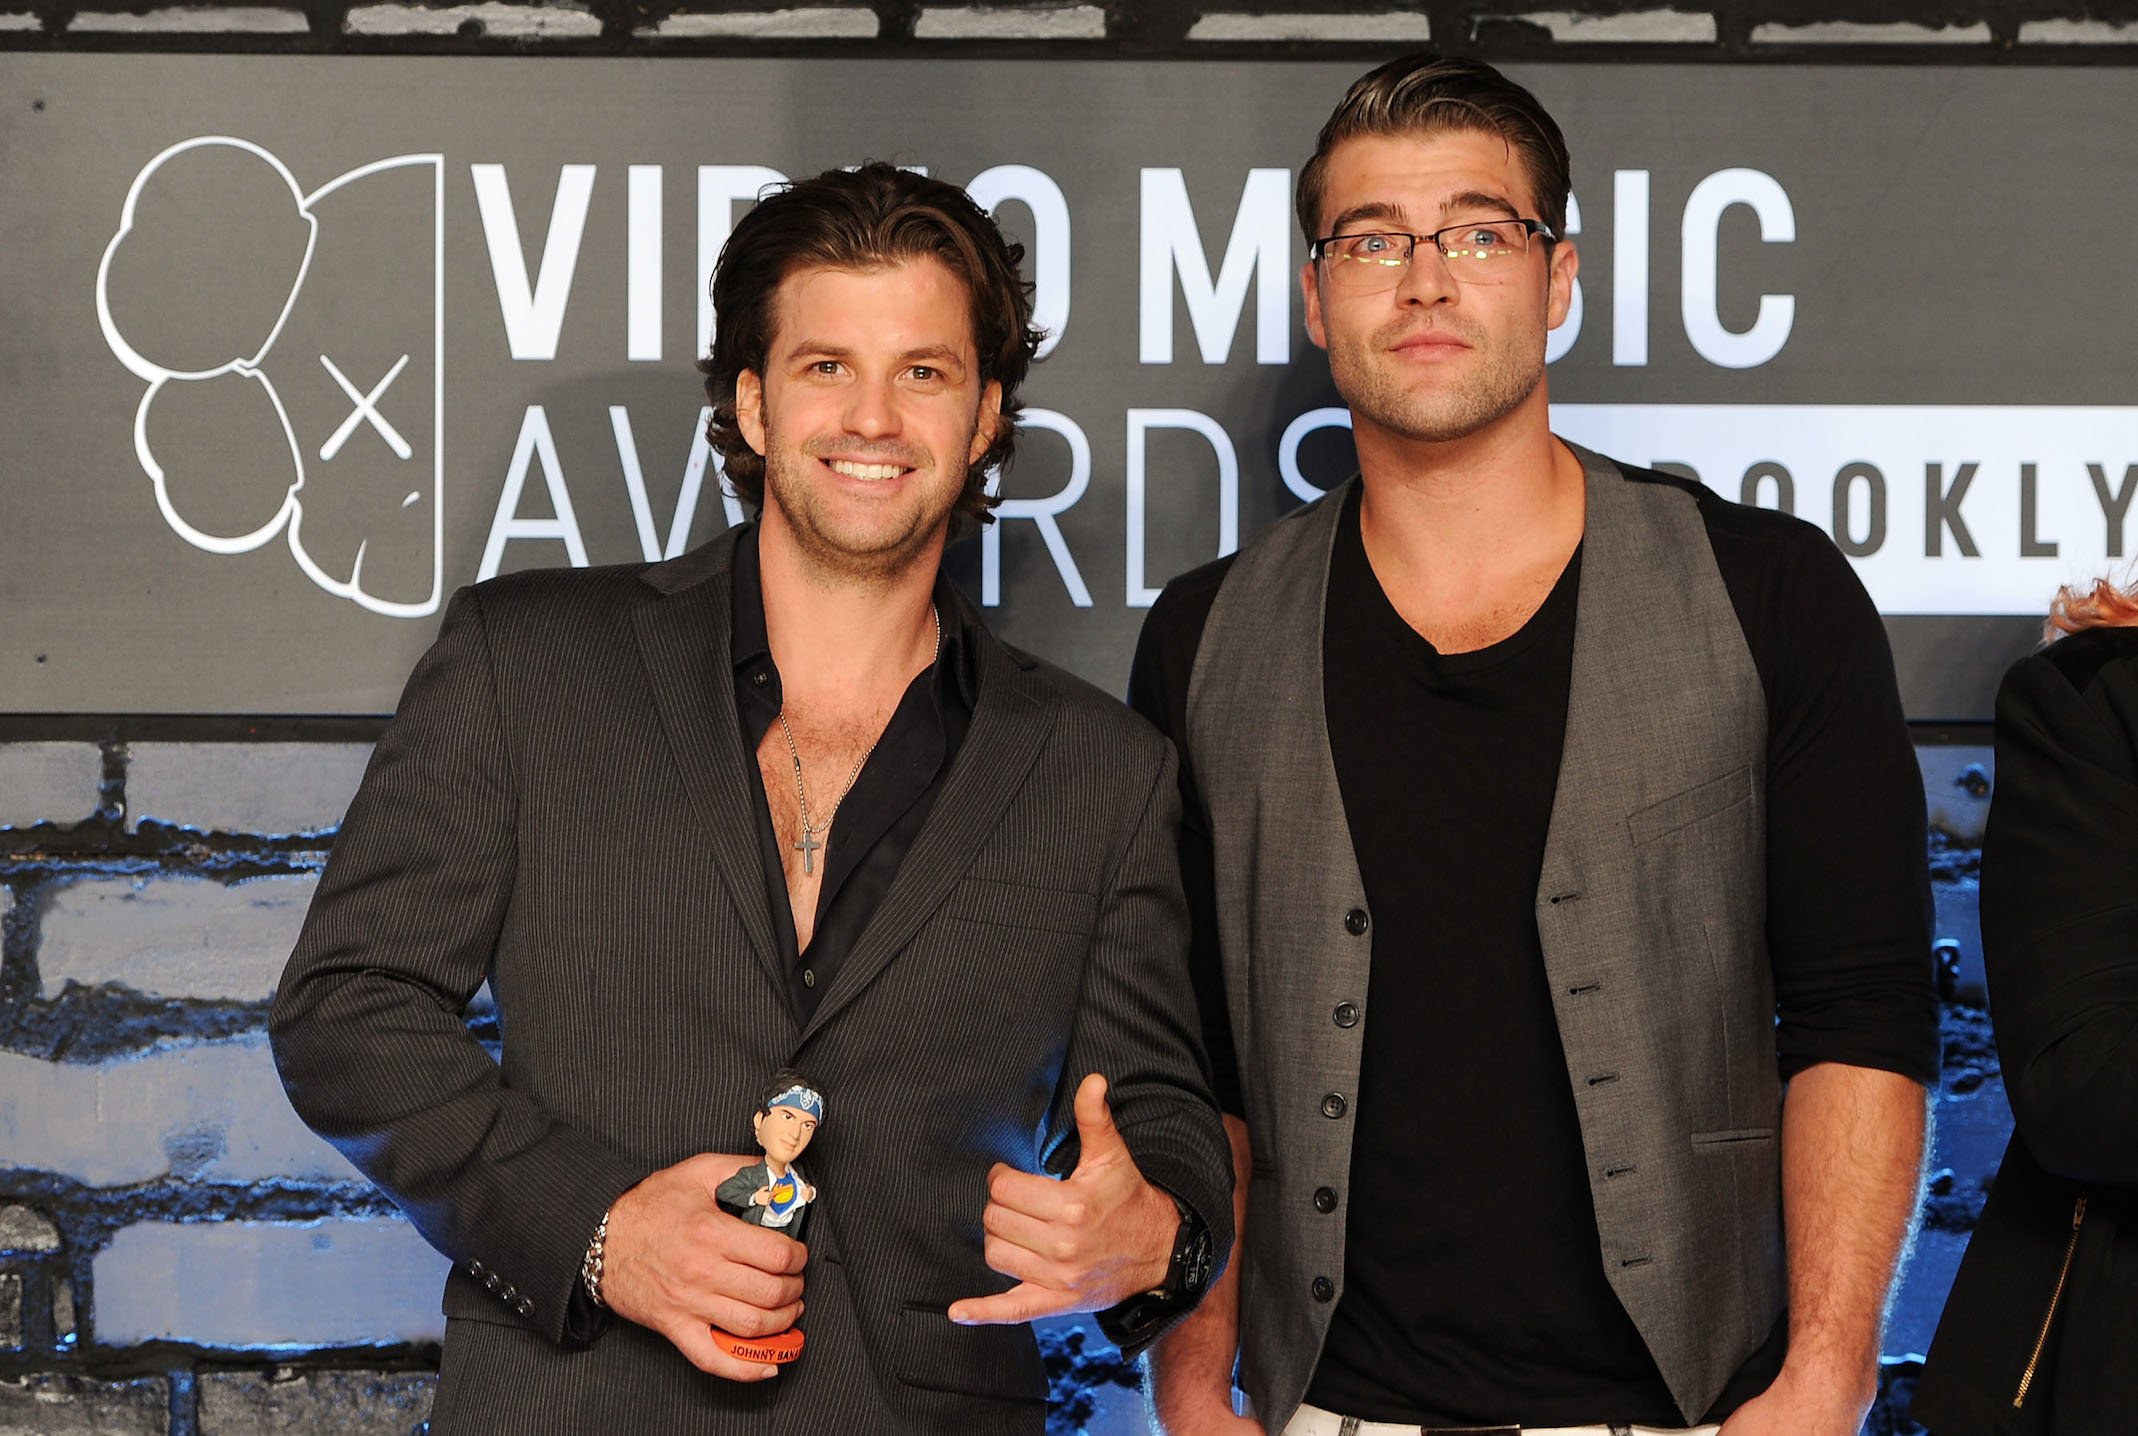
[{"x": 1547, "y": 821}]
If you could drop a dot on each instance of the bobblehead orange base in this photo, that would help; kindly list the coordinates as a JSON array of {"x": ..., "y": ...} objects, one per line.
[{"x": 775, "y": 1350}]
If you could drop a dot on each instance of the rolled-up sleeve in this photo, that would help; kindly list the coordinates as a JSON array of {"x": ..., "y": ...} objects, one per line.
[{"x": 1848, "y": 887}]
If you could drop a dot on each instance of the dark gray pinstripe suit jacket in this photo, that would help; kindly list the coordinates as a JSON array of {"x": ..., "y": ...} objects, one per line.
[{"x": 563, "y": 806}]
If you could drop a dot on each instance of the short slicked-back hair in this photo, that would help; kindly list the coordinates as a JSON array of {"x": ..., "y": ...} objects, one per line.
[
  {"x": 867, "y": 218},
  {"x": 1428, "y": 94}
]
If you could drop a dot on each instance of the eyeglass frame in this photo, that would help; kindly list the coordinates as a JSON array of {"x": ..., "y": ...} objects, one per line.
[{"x": 1533, "y": 228}]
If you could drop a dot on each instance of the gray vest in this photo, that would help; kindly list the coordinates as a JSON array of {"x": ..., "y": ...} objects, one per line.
[{"x": 1651, "y": 908}]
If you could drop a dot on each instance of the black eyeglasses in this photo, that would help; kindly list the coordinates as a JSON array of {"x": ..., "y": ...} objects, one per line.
[{"x": 1480, "y": 251}]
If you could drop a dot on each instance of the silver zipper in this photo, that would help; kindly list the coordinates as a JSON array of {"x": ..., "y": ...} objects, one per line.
[{"x": 2026, "y": 1378}]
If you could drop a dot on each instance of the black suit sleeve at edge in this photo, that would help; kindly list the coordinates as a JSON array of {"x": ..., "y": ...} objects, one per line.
[
  {"x": 2060, "y": 914},
  {"x": 366, "y": 1025},
  {"x": 1158, "y": 689},
  {"x": 1135, "y": 1023}
]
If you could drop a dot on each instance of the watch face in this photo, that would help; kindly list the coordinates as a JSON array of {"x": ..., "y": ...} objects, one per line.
[{"x": 1195, "y": 1262}]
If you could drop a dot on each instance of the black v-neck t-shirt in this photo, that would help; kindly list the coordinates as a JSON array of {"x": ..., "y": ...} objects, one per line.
[{"x": 1448, "y": 764}]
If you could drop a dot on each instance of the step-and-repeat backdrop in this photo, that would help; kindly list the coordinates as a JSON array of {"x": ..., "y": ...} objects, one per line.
[{"x": 294, "y": 347}]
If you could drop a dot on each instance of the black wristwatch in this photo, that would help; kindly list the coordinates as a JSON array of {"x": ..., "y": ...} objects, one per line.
[
  {"x": 1189, "y": 1271},
  {"x": 1134, "y": 1323}
]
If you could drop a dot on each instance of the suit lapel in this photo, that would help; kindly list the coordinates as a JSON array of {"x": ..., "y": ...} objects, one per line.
[
  {"x": 683, "y": 638},
  {"x": 1010, "y": 725}
]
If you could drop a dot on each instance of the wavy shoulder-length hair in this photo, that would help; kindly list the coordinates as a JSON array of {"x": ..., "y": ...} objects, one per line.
[{"x": 871, "y": 217}]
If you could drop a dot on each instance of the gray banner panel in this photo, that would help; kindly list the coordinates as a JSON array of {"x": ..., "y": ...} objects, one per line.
[{"x": 296, "y": 346}]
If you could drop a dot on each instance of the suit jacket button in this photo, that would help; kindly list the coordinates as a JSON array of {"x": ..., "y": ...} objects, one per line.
[
  {"x": 491, "y": 1281},
  {"x": 1347, "y": 1014},
  {"x": 1334, "y": 1105},
  {"x": 526, "y": 1307},
  {"x": 1324, "y": 1289},
  {"x": 1355, "y": 922},
  {"x": 1324, "y": 1200},
  {"x": 475, "y": 1269}
]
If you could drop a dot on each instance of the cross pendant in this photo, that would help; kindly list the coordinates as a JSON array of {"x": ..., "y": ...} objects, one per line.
[{"x": 807, "y": 846}]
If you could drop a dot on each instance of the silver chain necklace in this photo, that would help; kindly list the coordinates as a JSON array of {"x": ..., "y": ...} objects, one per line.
[{"x": 808, "y": 845}]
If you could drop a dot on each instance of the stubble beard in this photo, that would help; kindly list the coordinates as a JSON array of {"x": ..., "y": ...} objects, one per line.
[
  {"x": 1500, "y": 383},
  {"x": 849, "y": 554}
]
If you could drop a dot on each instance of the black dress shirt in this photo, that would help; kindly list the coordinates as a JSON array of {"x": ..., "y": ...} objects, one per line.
[
  {"x": 877, "y": 821},
  {"x": 880, "y": 817},
  {"x": 877, "y": 824}
]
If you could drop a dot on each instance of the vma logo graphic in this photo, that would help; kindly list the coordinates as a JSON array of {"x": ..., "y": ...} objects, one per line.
[{"x": 293, "y": 347}]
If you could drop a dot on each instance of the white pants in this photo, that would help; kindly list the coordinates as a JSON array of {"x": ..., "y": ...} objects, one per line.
[{"x": 1313, "y": 1421}]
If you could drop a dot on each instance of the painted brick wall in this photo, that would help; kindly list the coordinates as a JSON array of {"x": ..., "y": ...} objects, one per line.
[
  {"x": 177, "y": 1255},
  {"x": 177, "y": 1252}
]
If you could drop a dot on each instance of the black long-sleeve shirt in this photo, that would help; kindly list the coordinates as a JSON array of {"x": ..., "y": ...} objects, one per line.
[{"x": 1473, "y": 1286}]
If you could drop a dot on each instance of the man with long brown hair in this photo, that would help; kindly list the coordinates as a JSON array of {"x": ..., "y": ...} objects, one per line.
[
  {"x": 1525, "y": 792},
  {"x": 780, "y": 802}
]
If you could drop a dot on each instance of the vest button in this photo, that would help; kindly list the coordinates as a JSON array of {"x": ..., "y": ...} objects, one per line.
[
  {"x": 1325, "y": 1200},
  {"x": 1334, "y": 1105},
  {"x": 1347, "y": 1014},
  {"x": 1324, "y": 1289},
  {"x": 1355, "y": 922}
]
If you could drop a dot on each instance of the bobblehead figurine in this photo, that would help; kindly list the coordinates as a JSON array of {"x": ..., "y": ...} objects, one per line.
[{"x": 774, "y": 1193}]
